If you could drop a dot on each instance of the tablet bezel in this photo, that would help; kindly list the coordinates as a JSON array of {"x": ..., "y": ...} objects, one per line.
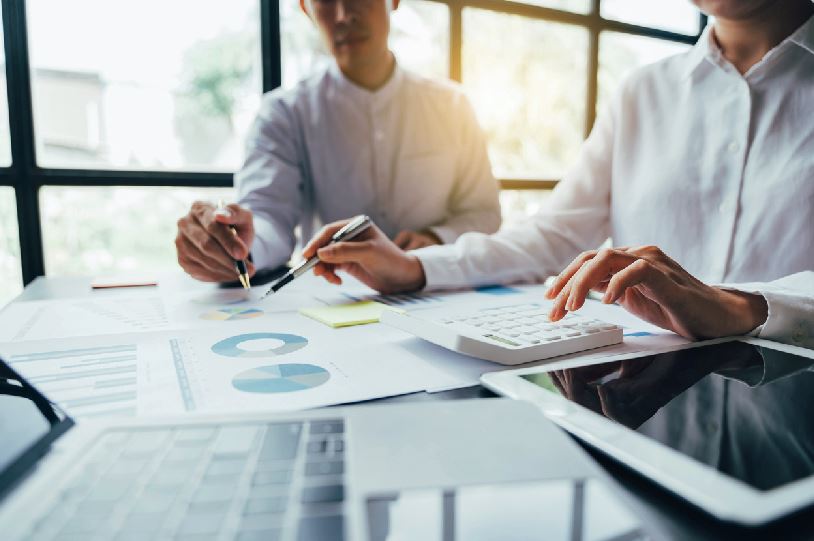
[{"x": 720, "y": 495}]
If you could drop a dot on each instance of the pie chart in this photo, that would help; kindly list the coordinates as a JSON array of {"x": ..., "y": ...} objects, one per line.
[
  {"x": 280, "y": 378},
  {"x": 231, "y": 314},
  {"x": 259, "y": 344}
]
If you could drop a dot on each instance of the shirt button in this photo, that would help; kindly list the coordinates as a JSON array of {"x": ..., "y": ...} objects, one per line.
[
  {"x": 733, "y": 147},
  {"x": 378, "y": 135},
  {"x": 724, "y": 207}
]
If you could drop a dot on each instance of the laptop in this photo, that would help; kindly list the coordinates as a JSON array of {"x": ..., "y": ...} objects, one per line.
[
  {"x": 725, "y": 424},
  {"x": 447, "y": 470}
]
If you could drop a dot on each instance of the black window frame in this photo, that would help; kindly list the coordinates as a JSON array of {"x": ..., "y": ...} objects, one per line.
[{"x": 26, "y": 177}]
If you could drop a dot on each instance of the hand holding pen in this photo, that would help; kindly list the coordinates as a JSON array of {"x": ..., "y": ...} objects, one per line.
[
  {"x": 370, "y": 257},
  {"x": 206, "y": 245},
  {"x": 240, "y": 263}
]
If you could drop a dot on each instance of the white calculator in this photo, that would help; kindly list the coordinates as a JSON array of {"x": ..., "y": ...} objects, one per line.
[{"x": 507, "y": 334}]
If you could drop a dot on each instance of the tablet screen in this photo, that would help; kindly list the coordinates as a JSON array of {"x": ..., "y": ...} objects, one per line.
[{"x": 746, "y": 410}]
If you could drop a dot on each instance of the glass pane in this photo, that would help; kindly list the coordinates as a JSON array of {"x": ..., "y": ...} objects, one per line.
[
  {"x": 419, "y": 37},
  {"x": 129, "y": 229},
  {"x": 675, "y": 15},
  {"x": 529, "y": 93},
  {"x": 619, "y": 54},
  {"x": 5, "y": 140},
  {"x": 11, "y": 277},
  {"x": 577, "y": 6},
  {"x": 144, "y": 84}
]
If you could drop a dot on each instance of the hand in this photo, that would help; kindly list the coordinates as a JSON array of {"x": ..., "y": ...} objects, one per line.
[
  {"x": 412, "y": 240},
  {"x": 371, "y": 258},
  {"x": 655, "y": 288},
  {"x": 207, "y": 247}
]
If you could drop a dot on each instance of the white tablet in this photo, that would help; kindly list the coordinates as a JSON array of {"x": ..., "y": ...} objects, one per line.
[{"x": 727, "y": 424}]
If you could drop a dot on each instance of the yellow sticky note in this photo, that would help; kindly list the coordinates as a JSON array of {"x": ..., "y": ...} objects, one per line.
[{"x": 345, "y": 315}]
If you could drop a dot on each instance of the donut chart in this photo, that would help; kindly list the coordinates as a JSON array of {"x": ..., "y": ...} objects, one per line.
[
  {"x": 280, "y": 378},
  {"x": 230, "y": 347}
]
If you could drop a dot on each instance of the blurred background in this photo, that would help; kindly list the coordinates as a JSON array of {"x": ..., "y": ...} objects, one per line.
[{"x": 115, "y": 116}]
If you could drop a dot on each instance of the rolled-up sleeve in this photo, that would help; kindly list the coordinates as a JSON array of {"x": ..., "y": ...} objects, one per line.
[
  {"x": 474, "y": 203},
  {"x": 271, "y": 182}
]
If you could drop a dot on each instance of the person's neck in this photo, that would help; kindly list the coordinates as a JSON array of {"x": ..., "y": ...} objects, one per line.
[
  {"x": 744, "y": 42},
  {"x": 372, "y": 76}
]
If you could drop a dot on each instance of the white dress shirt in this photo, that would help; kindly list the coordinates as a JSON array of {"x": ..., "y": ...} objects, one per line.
[
  {"x": 714, "y": 167},
  {"x": 410, "y": 155}
]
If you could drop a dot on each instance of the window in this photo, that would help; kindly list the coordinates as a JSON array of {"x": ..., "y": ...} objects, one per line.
[
  {"x": 128, "y": 229},
  {"x": 5, "y": 139},
  {"x": 674, "y": 15},
  {"x": 148, "y": 84},
  {"x": 137, "y": 108},
  {"x": 11, "y": 280},
  {"x": 529, "y": 93}
]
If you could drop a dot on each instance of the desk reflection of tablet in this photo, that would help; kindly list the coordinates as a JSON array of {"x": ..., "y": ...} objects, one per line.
[{"x": 726, "y": 424}]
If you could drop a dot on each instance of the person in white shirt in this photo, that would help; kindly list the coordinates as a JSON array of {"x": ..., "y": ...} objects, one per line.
[
  {"x": 707, "y": 156},
  {"x": 363, "y": 136}
]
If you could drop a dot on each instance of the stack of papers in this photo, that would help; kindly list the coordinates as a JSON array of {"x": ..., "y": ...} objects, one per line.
[{"x": 158, "y": 352}]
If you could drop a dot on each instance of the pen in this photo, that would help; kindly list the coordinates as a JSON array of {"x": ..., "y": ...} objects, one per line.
[
  {"x": 240, "y": 264},
  {"x": 352, "y": 229}
]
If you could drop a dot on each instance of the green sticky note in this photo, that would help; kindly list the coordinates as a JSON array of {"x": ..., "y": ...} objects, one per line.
[{"x": 345, "y": 315}]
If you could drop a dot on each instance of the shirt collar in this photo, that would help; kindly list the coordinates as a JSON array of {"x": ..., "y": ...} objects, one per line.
[
  {"x": 804, "y": 36},
  {"x": 704, "y": 48},
  {"x": 371, "y": 98},
  {"x": 707, "y": 49}
]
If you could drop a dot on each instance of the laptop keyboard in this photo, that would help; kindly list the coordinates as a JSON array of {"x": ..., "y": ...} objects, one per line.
[{"x": 280, "y": 481}]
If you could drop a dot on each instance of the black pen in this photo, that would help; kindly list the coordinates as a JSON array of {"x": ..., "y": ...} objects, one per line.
[
  {"x": 240, "y": 264},
  {"x": 352, "y": 229}
]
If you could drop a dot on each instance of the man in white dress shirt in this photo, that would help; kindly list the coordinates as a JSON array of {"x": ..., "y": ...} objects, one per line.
[
  {"x": 707, "y": 156},
  {"x": 361, "y": 137}
]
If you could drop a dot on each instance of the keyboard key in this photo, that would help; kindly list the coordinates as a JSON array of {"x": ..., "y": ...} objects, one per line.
[
  {"x": 325, "y": 468},
  {"x": 269, "y": 491},
  {"x": 214, "y": 493},
  {"x": 281, "y": 441},
  {"x": 571, "y": 332},
  {"x": 145, "y": 442},
  {"x": 317, "y": 447},
  {"x": 153, "y": 503},
  {"x": 275, "y": 465},
  {"x": 184, "y": 454},
  {"x": 107, "y": 492},
  {"x": 327, "y": 427},
  {"x": 256, "y": 506},
  {"x": 234, "y": 441},
  {"x": 330, "y": 528},
  {"x": 207, "y": 524},
  {"x": 143, "y": 523},
  {"x": 226, "y": 467},
  {"x": 260, "y": 535},
  {"x": 193, "y": 436},
  {"x": 272, "y": 477},
  {"x": 323, "y": 494},
  {"x": 84, "y": 524},
  {"x": 261, "y": 522}
]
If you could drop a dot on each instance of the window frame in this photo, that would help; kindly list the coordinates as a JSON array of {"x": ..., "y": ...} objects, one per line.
[{"x": 26, "y": 177}]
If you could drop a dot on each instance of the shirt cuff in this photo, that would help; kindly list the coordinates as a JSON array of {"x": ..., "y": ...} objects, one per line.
[
  {"x": 788, "y": 319},
  {"x": 447, "y": 234},
  {"x": 442, "y": 269}
]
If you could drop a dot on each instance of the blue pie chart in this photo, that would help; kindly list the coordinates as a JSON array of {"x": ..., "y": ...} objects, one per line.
[
  {"x": 280, "y": 378},
  {"x": 230, "y": 347}
]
